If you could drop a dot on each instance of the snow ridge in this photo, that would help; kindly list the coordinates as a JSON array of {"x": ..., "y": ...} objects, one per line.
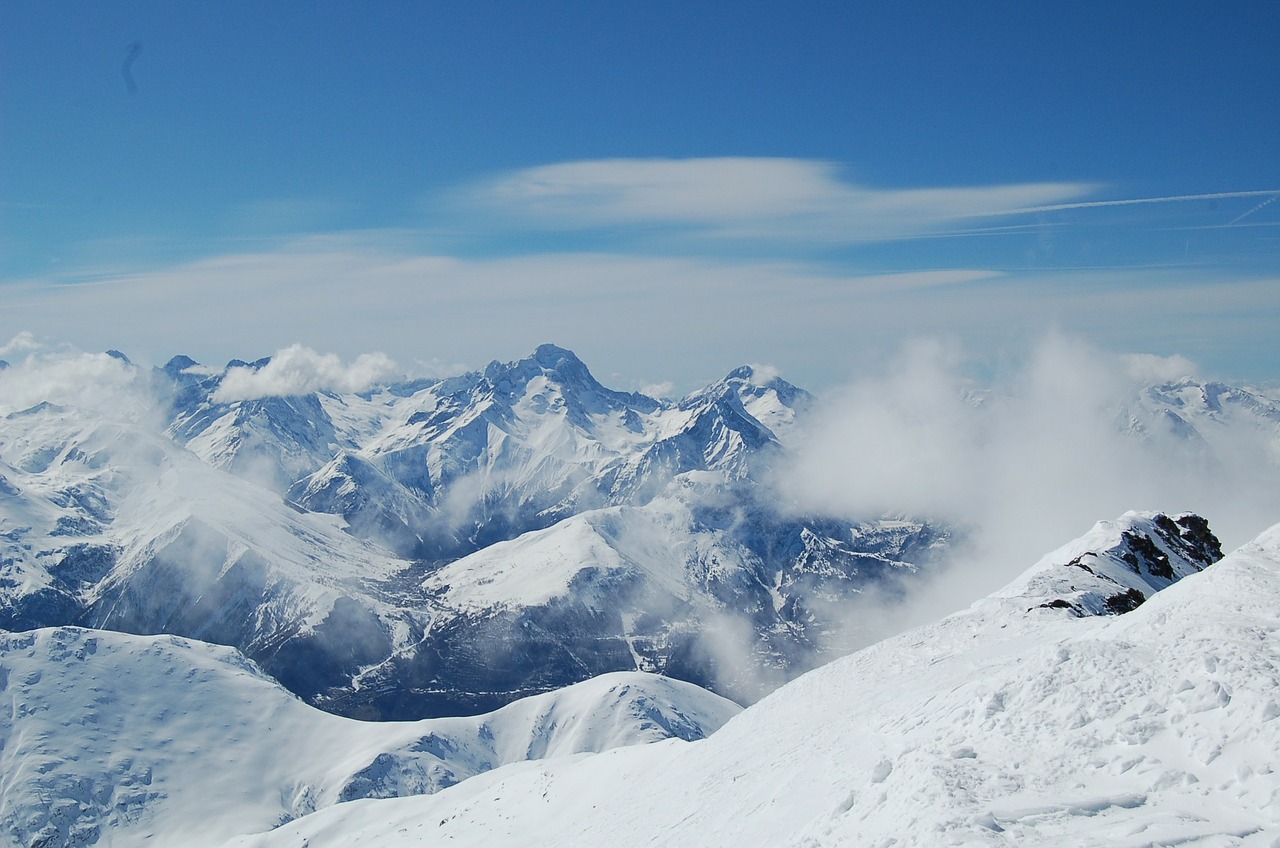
[
  {"x": 1000, "y": 725},
  {"x": 133, "y": 740}
]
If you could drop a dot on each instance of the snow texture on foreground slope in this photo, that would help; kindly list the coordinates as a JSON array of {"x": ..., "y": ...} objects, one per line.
[
  {"x": 123, "y": 740},
  {"x": 1011, "y": 723}
]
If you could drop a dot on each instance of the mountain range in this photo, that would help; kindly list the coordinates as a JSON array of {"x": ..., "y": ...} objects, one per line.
[
  {"x": 369, "y": 550},
  {"x": 447, "y": 546},
  {"x": 526, "y": 577}
]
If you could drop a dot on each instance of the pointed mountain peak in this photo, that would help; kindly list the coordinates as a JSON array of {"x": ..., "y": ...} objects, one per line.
[
  {"x": 754, "y": 380},
  {"x": 764, "y": 395},
  {"x": 756, "y": 375},
  {"x": 558, "y": 363},
  {"x": 564, "y": 366},
  {"x": 553, "y": 356},
  {"x": 178, "y": 364}
]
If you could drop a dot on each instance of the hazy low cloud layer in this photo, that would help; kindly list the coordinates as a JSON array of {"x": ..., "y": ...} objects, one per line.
[
  {"x": 298, "y": 370},
  {"x": 637, "y": 320},
  {"x": 1028, "y": 465}
]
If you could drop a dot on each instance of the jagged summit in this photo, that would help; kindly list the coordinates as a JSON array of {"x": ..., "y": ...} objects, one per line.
[
  {"x": 1118, "y": 564},
  {"x": 552, "y": 356},
  {"x": 380, "y": 490},
  {"x": 569, "y": 374}
]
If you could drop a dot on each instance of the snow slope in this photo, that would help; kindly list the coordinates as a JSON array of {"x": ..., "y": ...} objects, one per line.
[
  {"x": 122, "y": 740},
  {"x": 1015, "y": 722}
]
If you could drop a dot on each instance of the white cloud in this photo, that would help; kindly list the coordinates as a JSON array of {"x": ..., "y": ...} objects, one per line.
[
  {"x": 762, "y": 375},
  {"x": 746, "y": 197},
  {"x": 664, "y": 389},
  {"x": 99, "y": 382},
  {"x": 23, "y": 342},
  {"x": 202, "y": 370},
  {"x": 1035, "y": 465},
  {"x": 297, "y": 370},
  {"x": 1150, "y": 368}
]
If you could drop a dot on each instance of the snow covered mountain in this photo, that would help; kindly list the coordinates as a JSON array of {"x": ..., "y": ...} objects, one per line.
[
  {"x": 445, "y": 468},
  {"x": 649, "y": 520},
  {"x": 1216, "y": 422},
  {"x": 447, "y": 546},
  {"x": 1020, "y": 721},
  {"x": 691, "y": 584},
  {"x": 122, "y": 740}
]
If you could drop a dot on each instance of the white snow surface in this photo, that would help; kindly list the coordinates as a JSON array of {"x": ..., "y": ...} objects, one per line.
[
  {"x": 1005, "y": 724},
  {"x": 156, "y": 740}
]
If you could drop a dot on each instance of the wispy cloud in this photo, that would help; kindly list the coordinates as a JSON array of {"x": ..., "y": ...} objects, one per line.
[
  {"x": 1256, "y": 208},
  {"x": 23, "y": 342},
  {"x": 740, "y": 197}
]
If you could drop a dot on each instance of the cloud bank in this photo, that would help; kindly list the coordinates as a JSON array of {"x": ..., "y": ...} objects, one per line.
[
  {"x": 1057, "y": 444},
  {"x": 298, "y": 370},
  {"x": 108, "y": 386},
  {"x": 817, "y": 323}
]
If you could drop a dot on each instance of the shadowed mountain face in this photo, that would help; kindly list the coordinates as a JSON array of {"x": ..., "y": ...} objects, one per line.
[{"x": 446, "y": 546}]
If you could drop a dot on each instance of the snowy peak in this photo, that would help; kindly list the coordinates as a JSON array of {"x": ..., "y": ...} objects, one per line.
[
  {"x": 1211, "y": 415},
  {"x": 568, "y": 378},
  {"x": 1195, "y": 397},
  {"x": 272, "y": 440},
  {"x": 768, "y": 398},
  {"x": 1118, "y": 565}
]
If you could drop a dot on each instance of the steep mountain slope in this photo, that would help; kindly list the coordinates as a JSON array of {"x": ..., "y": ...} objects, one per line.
[
  {"x": 1016, "y": 722},
  {"x": 693, "y": 585},
  {"x": 130, "y": 740},
  {"x": 117, "y": 528}
]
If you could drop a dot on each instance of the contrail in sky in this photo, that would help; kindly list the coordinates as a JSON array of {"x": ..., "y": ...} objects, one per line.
[
  {"x": 1096, "y": 204},
  {"x": 1267, "y": 202}
]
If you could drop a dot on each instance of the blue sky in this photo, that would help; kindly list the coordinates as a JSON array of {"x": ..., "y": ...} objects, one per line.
[{"x": 668, "y": 188}]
